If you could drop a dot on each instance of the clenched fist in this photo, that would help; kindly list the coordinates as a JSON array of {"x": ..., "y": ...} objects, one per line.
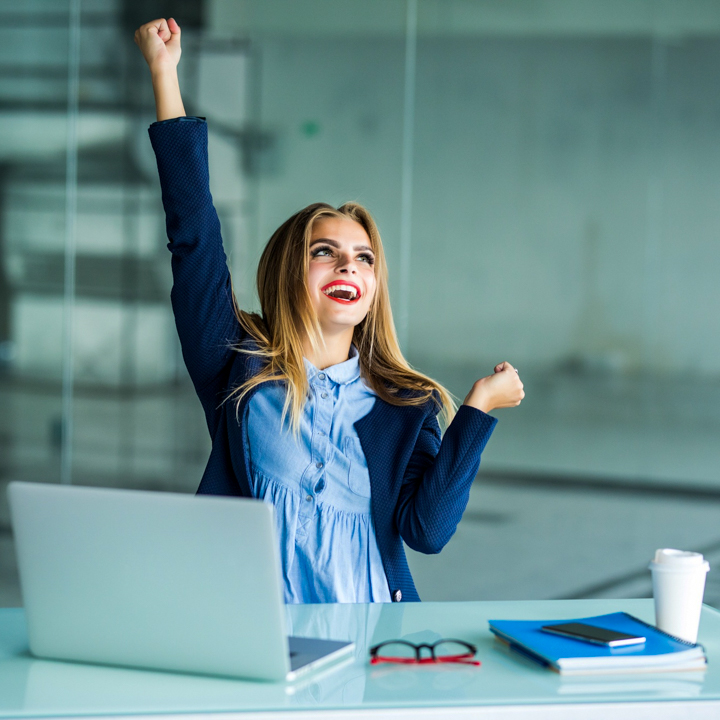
[
  {"x": 159, "y": 42},
  {"x": 501, "y": 390}
]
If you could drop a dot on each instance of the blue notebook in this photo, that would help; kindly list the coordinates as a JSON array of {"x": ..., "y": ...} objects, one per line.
[{"x": 659, "y": 653}]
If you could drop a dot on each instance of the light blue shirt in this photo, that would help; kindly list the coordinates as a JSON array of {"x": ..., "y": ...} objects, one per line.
[{"x": 319, "y": 485}]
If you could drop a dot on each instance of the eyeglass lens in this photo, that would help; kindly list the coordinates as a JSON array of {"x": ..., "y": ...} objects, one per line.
[{"x": 442, "y": 650}]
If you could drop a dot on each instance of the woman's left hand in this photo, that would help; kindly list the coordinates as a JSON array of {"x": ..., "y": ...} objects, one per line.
[{"x": 502, "y": 389}]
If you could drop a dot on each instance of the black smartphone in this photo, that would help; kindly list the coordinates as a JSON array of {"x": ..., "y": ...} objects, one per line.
[{"x": 592, "y": 634}]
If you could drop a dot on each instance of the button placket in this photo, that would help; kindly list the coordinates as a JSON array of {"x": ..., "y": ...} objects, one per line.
[{"x": 322, "y": 422}]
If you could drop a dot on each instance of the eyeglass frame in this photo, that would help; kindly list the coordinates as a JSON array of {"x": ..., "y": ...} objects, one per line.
[{"x": 417, "y": 660}]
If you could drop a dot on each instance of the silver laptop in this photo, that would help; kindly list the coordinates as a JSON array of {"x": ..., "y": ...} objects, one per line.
[{"x": 157, "y": 580}]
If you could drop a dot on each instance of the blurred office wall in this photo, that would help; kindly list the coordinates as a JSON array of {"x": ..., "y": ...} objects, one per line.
[
  {"x": 564, "y": 168},
  {"x": 545, "y": 176}
]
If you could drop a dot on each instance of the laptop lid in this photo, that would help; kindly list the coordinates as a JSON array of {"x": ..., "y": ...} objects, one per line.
[{"x": 150, "y": 579}]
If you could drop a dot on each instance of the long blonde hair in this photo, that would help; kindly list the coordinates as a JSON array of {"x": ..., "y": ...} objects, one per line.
[{"x": 288, "y": 317}]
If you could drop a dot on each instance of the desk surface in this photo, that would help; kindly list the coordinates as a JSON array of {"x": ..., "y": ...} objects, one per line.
[{"x": 31, "y": 687}]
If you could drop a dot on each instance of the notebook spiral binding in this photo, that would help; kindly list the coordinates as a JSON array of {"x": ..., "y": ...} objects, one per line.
[{"x": 662, "y": 632}]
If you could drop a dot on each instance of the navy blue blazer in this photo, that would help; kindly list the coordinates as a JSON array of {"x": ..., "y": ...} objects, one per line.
[{"x": 420, "y": 485}]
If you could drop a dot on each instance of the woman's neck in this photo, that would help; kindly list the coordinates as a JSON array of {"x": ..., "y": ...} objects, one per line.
[{"x": 336, "y": 349}]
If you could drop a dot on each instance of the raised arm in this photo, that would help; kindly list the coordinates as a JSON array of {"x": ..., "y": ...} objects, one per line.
[
  {"x": 439, "y": 475},
  {"x": 202, "y": 297},
  {"x": 159, "y": 42}
]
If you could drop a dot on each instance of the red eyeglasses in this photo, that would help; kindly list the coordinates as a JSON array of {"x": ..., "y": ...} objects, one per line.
[{"x": 442, "y": 651}]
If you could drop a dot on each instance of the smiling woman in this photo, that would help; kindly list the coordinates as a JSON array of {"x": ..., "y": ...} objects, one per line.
[
  {"x": 310, "y": 404},
  {"x": 341, "y": 300}
]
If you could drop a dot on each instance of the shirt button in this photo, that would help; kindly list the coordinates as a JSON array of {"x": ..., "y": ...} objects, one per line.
[
  {"x": 323, "y": 395},
  {"x": 309, "y": 498},
  {"x": 321, "y": 376},
  {"x": 397, "y": 596},
  {"x": 321, "y": 433},
  {"x": 318, "y": 464}
]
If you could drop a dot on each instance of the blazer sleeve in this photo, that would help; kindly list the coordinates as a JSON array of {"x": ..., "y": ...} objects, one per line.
[
  {"x": 201, "y": 296},
  {"x": 437, "y": 481}
]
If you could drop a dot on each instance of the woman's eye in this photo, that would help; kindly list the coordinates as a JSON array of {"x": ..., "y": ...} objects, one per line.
[{"x": 329, "y": 252}]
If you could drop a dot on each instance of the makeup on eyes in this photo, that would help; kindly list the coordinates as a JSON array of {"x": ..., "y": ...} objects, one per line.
[{"x": 329, "y": 246}]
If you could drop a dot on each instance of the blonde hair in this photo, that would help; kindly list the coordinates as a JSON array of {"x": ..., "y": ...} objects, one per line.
[{"x": 288, "y": 317}]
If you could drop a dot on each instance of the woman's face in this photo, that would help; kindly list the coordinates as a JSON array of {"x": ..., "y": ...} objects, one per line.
[{"x": 341, "y": 274}]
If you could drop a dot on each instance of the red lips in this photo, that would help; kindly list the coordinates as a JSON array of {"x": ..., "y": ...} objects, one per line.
[{"x": 346, "y": 283}]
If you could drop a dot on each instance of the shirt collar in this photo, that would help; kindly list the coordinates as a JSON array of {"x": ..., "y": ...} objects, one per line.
[{"x": 342, "y": 373}]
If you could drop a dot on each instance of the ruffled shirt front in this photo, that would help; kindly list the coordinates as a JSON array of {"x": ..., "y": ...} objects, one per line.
[{"x": 319, "y": 484}]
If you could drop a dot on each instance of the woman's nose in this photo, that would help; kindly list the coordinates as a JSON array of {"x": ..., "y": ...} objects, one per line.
[{"x": 348, "y": 266}]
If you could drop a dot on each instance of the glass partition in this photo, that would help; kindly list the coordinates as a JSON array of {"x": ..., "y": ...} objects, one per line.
[
  {"x": 34, "y": 154},
  {"x": 566, "y": 166},
  {"x": 545, "y": 181}
]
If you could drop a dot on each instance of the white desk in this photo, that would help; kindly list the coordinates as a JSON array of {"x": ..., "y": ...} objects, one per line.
[{"x": 504, "y": 686}]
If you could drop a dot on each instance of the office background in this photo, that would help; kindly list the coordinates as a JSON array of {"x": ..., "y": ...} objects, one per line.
[{"x": 546, "y": 177}]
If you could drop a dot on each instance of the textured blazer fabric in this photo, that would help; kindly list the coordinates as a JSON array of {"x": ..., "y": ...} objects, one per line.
[{"x": 420, "y": 484}]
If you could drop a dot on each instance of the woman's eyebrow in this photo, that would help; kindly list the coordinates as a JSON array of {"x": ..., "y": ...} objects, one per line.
[{"x": 336, "y": 244}]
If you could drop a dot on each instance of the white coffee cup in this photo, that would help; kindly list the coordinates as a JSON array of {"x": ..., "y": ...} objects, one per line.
[{"x": 678, "y": 579}]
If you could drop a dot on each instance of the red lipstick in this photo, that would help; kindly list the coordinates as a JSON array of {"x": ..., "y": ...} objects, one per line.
[{"x": 342, "y": 291}]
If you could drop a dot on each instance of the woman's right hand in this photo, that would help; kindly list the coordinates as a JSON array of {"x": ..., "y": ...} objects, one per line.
[{"x": 159, "y": 42}]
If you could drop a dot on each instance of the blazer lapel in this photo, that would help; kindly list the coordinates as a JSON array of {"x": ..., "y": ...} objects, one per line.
[
  {"x": 388, "y": 434},
  {"x": 247, "y": 366}
]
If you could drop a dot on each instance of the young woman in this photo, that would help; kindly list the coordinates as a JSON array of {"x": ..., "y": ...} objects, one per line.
[{"x": 311, "y": 405}]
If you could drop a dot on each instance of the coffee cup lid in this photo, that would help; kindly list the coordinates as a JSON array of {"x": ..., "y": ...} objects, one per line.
[{"x": 670, "y": 556}]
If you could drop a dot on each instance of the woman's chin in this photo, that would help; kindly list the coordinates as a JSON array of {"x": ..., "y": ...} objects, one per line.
[{"x": 339, "y": 322}]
